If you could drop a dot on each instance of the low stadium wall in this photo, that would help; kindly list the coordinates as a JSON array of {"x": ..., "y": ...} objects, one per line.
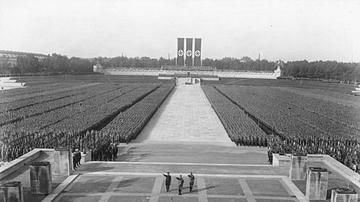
[{"x": 220, "y": 74}]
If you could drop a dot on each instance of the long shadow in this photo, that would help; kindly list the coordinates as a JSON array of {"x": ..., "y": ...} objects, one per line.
[
  {"x": 195, "y": 190},
  {"x": 128, "y": 182},
  {"x": 206, "y": 188}
]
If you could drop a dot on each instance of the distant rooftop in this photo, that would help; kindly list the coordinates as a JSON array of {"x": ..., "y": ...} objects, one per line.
[{"x": 15, "y": 54}]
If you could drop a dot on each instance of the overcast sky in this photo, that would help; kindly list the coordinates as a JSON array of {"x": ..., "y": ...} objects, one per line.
[{"x": 277, "y": 29}]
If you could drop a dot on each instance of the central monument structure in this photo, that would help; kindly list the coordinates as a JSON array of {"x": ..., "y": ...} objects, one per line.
[{"x": 190, "y": 52}]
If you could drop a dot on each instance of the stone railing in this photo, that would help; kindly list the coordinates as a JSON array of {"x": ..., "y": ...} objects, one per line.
[
  {"x": 344, "y": 171},
  {"x": 20, "y": 162}
]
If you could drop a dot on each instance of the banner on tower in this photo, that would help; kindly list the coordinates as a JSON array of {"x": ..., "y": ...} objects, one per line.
[
  {"x": 180, "y": 52},
  {"x": 189, "y": 51},
  {"x": 197, "y": 52}
]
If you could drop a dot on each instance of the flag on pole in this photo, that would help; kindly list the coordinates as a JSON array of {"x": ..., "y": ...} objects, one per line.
[
  {"x": 197, "y": 52},
  {"x": 180, "y": 52},
  {"x": 189, "y": 51}
]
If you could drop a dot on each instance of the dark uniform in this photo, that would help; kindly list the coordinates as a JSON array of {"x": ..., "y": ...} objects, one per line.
[
  {"x": 76, "y": 158},
  {"x": 181, "y": 183},
  {"x": 192, "y": 180},
  {"x": 167, "y": 181}
]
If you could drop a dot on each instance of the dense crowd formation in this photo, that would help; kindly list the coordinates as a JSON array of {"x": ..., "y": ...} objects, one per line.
[
  {"x": 100, "y": 144},
  {"x": 81, "y": 111},
  {"x": 241, "y": 129},
  {"x": 95, "y": 106},
  {"x": 128, "y": 124},
  {"x": 296, "y": 122},
  {"x": 297, "y": 114}
]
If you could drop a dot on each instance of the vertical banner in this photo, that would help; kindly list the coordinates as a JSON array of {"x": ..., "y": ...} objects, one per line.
[
  {"x": 197, "y": 52},
  {"x": 180, "y": 52},
  {"x": 189, "y": 52}
]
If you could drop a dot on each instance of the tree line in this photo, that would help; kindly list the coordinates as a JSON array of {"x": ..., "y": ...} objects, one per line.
[
  {"x": 143, "y": 62},
  {"x": 327, "y": 70},
  {"x": 55, "y": 63}
]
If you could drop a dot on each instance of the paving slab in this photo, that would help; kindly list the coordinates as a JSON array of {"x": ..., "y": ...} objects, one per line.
[
  {"x": 129, "y": 198},
  {"x": 135, "y": 184},
  {"x": 80, "y": 198},
  {"x": 178, "y": 199},
  {"x": 227, "y": 200},
  {"x": 223, "y": 186},
  {"x": 266, "y": 187},
  {"x": 186, "y": 115},
  {"x": 90, "y": 184},
  {"x": 274, "y": 200}
]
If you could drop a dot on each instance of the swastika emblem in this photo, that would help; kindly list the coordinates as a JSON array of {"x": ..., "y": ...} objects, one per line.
[
  {"x": 188, "y": 53},
  {"x": 180, "y": 53},
  {"x": 197, "y": 53}
]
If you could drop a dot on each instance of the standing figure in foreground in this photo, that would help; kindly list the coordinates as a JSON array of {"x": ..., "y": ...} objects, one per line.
[
  {"x": 167, "y": 181},
  {"x": 181, "y": 183},
  {"x": 192, "y": 180}
]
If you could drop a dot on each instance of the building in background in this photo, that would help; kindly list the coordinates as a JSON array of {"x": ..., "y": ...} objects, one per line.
[{"x": 8, "y": 59}]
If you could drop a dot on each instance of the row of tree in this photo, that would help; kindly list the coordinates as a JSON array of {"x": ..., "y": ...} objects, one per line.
[
  {"x": 53, "y": 64},
  {"x": 124, "y": 61},
  {"x": 328, "y": 70}
]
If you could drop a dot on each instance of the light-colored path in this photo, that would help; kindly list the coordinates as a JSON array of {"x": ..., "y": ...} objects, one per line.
[{"x": 186, "y": 115}]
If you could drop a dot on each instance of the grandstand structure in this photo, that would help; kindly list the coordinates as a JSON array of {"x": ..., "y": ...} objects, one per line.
[
  {"x": 9, "y": 59},
  {"x": 189, "y": 64},
  {"x": 200, "y": 72}
]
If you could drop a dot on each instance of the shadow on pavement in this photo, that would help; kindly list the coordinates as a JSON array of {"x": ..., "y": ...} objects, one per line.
[{"x": 128, "y": 182}]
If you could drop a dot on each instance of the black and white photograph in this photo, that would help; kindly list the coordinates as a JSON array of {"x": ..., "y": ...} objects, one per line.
[{"x": 179, "y": 100}]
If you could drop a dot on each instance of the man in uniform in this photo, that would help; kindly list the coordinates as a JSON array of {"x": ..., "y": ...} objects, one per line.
[
  {"x": 76, "y": 160},
  {"x": 192, "y": 180},
  {"x": 181, "y": 183},
  {"x": 167, "y": 181}
]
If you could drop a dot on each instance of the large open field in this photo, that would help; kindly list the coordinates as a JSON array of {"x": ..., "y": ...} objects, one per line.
[{"x": 96, "y": 110}]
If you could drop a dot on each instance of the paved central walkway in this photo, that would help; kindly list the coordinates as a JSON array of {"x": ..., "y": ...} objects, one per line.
[{"x": 186, "y": 115}]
